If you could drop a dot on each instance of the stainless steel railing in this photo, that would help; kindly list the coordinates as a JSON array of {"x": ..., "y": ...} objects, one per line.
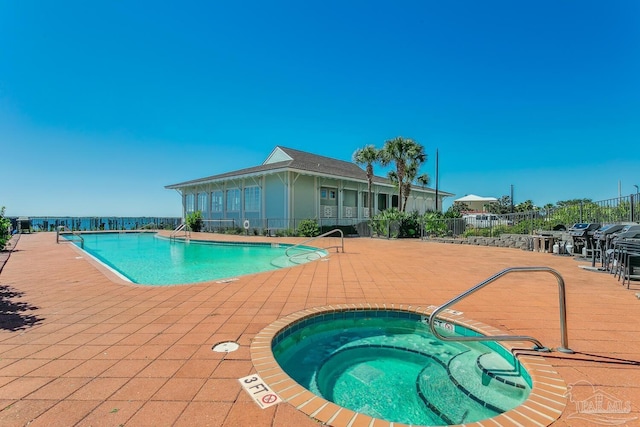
[
  {"x": 66, "y": 230},
  {"x": 327, "y": 234},
  {"x": 182, "y": 227},
  {"x": 562, "y": 302}
]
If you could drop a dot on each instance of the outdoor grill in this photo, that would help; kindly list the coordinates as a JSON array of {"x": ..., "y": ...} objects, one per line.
[
  {"x": 630, "y": 231},
  {"x": 582, "y": 235},
  {"x": 602, "y": 238},
  {"x": 603, "y": 235}
]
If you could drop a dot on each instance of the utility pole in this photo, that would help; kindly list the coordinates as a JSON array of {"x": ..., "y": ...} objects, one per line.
[
  {"x": 511, "y": 198},
  {"x": 436, "y": 180}
]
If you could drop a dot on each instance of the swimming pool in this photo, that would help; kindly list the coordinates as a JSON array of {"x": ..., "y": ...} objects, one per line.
[
  {"x": 146, "y": 258},
  {"x": 386, "y": 364},
  {"x": 545, "y": 403}
]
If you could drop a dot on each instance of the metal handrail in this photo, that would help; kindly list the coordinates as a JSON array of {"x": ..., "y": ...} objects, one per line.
[
  {"x": 181, "y": 227},
  {"x": 286, "y": 252},
  {"x": 66, "y": 229},
  {"x": 563, "y": 312}
]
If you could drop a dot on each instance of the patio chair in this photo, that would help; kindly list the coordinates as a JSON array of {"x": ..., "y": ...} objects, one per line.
[
  {"x": 621, "y": 251},
  {"x": 630, "y": 268}
]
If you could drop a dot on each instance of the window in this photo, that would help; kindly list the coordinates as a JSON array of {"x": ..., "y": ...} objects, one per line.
[
  {"x": 252, "y": 199},
  {"x": 233, "y": 200},
  {"x": 328, "y": 193},
  {"x": 216, "y": 201},
  {"x": 202, "y": 202},
  {"x": 189, "y": 203}
]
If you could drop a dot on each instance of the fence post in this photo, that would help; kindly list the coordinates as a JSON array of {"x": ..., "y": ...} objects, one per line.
[
  {"x": 581, "y": 205},
  {"x": 632, "y": 211}
]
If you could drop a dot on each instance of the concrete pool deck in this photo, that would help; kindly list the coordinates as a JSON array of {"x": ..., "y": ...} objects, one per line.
[{"x": 78, "y": 348}]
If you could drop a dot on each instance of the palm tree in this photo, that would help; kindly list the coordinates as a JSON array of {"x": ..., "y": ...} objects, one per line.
[
  {"x": 423, "y": 180},
  {"x": 410, "y": 178},
  {"x": 404, "y": 152},
  {"x": 367, "y": 156}
]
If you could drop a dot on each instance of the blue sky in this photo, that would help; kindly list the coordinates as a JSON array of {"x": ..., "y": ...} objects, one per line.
[{"x": 102, "y": 104}]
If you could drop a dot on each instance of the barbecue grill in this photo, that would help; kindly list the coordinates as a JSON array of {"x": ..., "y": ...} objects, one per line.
[
  {"x": 631, "y": 231},
  {"x": 602, "y": 240},
  {"x": 582, "y": 235},
  {"x": 604, "y": 234}
]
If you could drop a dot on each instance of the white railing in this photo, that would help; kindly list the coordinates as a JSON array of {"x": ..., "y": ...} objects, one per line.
[
  {"x": 182, "y": 227},
  {"x": 327, "y": 234},
  {"x": 66, "y": 230}
]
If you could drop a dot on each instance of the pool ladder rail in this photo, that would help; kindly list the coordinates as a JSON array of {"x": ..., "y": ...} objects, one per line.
[
  {"x": 564, "y": 348},
  {"x": 327, "y": 234},
  {"x": 181, "y": 228},
  {"x": 63, "y": 229}
]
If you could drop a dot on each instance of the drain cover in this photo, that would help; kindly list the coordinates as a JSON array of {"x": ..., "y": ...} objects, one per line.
[{"x": 225, "y": 347}]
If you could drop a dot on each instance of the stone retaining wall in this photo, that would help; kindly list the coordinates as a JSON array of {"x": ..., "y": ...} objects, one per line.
[{"x": 517, "y": 241}]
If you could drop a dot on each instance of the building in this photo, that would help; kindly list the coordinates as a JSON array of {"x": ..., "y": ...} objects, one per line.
[
  {"x": 292, "y": 185},
  {"x": 476, "y": 203}
]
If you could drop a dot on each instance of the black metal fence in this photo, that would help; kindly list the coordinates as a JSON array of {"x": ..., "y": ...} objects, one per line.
[
  {"x": 51, "y": 223},
  {"x": 612, "y": 211},
  {"x": 284, "y": 227},
  {"x": 619, "y": 210}
]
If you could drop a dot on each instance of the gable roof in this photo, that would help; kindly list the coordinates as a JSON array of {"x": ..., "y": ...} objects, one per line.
[
  {"x": 283, "y": 158},
  {"x": 309, "y": 162},
  {"x": 474, "y": 198}
]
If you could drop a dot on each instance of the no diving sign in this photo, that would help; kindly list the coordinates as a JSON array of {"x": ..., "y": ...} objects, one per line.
[{"x": 259, "y": 391}]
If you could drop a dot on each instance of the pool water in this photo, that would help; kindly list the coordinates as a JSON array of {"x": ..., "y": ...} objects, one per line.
[
  {"x": 145, "y": 258},
  {"x": 393, "y": 368}
]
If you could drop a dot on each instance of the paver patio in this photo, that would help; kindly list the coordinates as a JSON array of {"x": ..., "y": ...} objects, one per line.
[{"x": 81, "y": 347}]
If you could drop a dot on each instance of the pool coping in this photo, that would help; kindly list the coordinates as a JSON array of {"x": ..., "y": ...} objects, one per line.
[
  {"x": 543, "y": 406},
  {"x": 116, "y": 277}
]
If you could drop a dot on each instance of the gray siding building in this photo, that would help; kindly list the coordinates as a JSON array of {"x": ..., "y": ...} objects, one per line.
[{"x": 292, "y": 185}]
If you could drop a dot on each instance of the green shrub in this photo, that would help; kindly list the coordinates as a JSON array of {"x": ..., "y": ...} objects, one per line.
[
  {"x": 308, "y": 228},
  {"x": 410, "y": 225},
  {"x": 347, "y": 230},
  {"x": 477, "y": 232},
  {"x": 234, "y": 230},
  {"x": 434, "y": 224},
  {"x": 5, "y": 223},
  {"x": 194, "y": 221},
  {"x": 395, "y": 224}
]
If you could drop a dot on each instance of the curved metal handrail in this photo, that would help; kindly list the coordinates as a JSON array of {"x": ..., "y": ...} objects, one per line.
[
  {"x": 563, "y": 311},
  {"x": 328, "y": 233},
  {"x": 64, "y": 229},
  {"x": 182, "y": 227}
]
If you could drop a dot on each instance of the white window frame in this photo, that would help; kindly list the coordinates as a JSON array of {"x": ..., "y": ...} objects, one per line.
[
  {"x": 217, "y": 201},
  {"x": 189, "y": 202},
  {"x": 252, "y": 199},
  {"x": 328, "y": 193},
  {"x": 202, "y": 202},
  {"x": 233, "y": 200}
]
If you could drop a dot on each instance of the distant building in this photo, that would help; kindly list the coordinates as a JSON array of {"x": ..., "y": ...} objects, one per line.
[
  {"x": 292, "y": 185},
  {"x": 476, "y": 203}
]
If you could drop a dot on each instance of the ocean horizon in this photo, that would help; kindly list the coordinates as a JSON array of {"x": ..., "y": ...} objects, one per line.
[{"x": 94, "y": 223}]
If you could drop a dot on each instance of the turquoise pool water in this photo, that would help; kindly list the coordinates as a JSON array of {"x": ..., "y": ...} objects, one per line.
[
  {"x": 145, "y": 258},
  {"x": 388, "y": 365}
]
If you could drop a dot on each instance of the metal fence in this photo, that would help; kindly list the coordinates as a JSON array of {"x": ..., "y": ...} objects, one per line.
[
  {"x": 612, "y": 211},
  {"x": 284, "y": 227},
  {"x": 51, "y": 223}
]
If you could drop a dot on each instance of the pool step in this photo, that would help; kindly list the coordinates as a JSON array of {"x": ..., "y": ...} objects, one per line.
[
  {"x": 443, "y": 397},
  {"x": 494, "y": 367},
  {"x": 488, "y": 379}
]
